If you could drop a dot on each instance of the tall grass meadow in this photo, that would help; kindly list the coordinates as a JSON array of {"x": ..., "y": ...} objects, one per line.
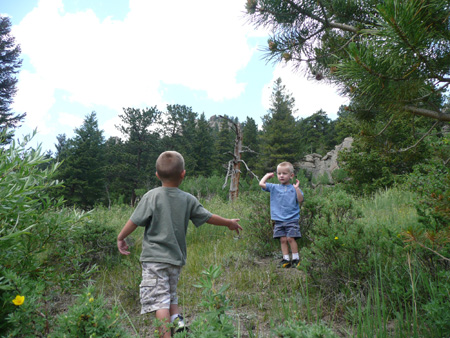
[{"x": 370, "y": 266}]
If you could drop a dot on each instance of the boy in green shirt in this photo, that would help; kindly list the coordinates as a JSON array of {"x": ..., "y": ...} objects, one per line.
[{"x": 165, "y": 213}]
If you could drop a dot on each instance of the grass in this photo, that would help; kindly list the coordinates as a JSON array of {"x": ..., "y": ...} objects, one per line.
[{"x": 262, "y": 295}]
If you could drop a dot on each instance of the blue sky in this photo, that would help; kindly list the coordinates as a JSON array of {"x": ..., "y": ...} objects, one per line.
[{"x": 81, "y": 56}]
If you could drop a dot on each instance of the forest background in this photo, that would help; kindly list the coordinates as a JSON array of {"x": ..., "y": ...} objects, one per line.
[{"x": 375, "y": 245}]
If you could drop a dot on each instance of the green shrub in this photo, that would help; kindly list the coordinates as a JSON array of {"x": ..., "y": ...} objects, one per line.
[
  {"x": 345, "y": 247},
  {"x": 437, "y": 308},
  {"x": 259, "y": 228},
  {"x": 98, "y": 241},
  {"x": 430, "y": 239},
  {"x": 214, "y": 321},
  {"x": 32, "y": 225},
  {"x": 205, "y": 187},
  {"x": 89, "y": 317}
]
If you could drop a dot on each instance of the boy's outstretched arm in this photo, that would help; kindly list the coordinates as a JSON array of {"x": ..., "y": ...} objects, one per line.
[
  {"x": 262, "y": 183},
  {"x": 298, "y": 191},
  {"x": 126, "y": 230},
  {"x": 232, "y": 224}
]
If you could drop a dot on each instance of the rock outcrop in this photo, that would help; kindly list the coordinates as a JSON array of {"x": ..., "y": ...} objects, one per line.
[{"x": 318, "y": 167}]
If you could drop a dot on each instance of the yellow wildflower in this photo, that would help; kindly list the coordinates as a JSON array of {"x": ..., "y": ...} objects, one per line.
[
  {"x": 19, "y": 300},
  {"x": 91, "y": 300},
  {"x": 336, "y": 237}
]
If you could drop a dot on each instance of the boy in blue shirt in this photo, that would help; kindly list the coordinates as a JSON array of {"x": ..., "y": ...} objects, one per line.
[
  {"x": 165, "y": 213},
  {"x": 285, "y": 199}
]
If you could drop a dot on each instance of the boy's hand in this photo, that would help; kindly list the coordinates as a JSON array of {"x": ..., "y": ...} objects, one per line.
[
  {"x": 123, "y": 247},
  {"x": 235, "y": 225},
  {"x": 297, "y": 184}
]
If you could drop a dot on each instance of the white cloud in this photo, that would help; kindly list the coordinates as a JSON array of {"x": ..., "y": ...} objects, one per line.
[
  {"x": 70, "y": 120},
  {"x": 109, "y": 127},
  {"x": 35, "y": 96},
  {"x": 310, "y": 95},
  {"x": 197, "y": 44}
]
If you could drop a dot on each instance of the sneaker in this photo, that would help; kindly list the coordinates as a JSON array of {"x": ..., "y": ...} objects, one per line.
[
  {"x": 178, "y": 324},
  {"x": 285, "y": 264},
  {"x": 295, "y": 263}
]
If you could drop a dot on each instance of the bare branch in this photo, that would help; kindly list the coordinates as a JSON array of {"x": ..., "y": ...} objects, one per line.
[
  {"x": 437, "y": 115},
  {"x": 420, "y": 140},
  {"x": 228, "y": 174},
  {"x": 325, "y": 22},
  {"x": 385, "y": 127},
  {"x": 251, "y": 172},
  {"x": 433, "y": 251},
  {"x": 247, "y": 149}
]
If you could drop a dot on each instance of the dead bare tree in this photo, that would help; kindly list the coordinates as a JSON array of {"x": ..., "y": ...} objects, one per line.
[{"x": 234, "y": 165}]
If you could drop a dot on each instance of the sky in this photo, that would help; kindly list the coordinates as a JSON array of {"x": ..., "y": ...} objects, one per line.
[{"x": 81, "y": 56}]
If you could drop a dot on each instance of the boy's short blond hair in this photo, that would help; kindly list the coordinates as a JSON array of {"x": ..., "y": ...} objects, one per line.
[
  {"x": 170, "y": 165},
  {"x": 287, "y": 165}
]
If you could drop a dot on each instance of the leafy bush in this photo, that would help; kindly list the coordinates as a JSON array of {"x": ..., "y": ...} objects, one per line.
[
  {"x": 205, "y": 187},
  {"x": 32, "y": 224},
  {"x": 214, "y": 321},
  {"x": 89, "y": 317},
  {"x": 431, "y": 239},
  {"x": 437, "y": 308},
  {"x": 259, "y": 228},
  {"x": 345, "y": 248},
  {"x": 96, "y": 243}
]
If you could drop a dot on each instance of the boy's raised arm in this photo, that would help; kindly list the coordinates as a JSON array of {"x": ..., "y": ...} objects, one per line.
[
  {"x": 126, "y": 230},
  {"x": 232, "y": 224},
  {"x": 262, "y": 183}
]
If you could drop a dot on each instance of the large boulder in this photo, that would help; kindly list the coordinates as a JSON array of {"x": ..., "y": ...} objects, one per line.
[{"x": 320, "y": 168}]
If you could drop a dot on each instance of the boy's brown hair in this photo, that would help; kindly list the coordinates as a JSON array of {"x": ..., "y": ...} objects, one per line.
[
  {"x": 287, "y": 165},
  {"x": 170, "y": 165}
]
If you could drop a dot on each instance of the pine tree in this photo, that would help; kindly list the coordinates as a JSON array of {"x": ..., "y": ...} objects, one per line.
[
  {"x": 390, "y": 57},
  {"x": 279, "y": 136},
  {"x": 9, "y": 66},
  {"x": 316, "y": 134},
  {"x": 204, "y": 148},
  {"x": 172, "y": 125},
  {"x": 188, "y": 140},
  {"x": 224, "y": 145},
  {"x": 251, "y": 144},
  {"x": 142, "y": 147},
  {"x": 116, "y": 176},
  {"x": 83, "y": 165}
]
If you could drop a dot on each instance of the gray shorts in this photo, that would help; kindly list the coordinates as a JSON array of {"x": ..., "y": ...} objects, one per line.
[
  {"x": 158, "y": 288},
  {"x": 286, "y": 229}
]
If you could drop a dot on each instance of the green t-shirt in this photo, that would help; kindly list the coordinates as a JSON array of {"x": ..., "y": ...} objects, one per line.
[{"x": 165, "y": 214}]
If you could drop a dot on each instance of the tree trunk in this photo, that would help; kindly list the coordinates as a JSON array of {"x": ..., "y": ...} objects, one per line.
[{"x": 235, "y": 166}]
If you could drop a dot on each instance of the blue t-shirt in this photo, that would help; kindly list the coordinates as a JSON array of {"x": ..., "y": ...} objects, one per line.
[{"x": 283, "y": 202}]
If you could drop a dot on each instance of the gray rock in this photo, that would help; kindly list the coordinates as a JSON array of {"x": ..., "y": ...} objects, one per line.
[{"x": 318, "y": 167}]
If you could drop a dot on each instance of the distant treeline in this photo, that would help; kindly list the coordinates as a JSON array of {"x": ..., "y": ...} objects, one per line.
[{"x": 98, "y": 171}]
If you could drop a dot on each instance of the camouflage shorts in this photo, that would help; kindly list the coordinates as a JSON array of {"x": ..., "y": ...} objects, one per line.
[{"x": 158, "y": 288}]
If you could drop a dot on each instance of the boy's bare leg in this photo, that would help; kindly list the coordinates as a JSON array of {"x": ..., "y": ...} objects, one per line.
[
  {"x": 164, "y": 316},
  {"x": 174, "y": 309},
  {"x": 293, "y": 244},
  {"x": 284, "y": 246}
]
